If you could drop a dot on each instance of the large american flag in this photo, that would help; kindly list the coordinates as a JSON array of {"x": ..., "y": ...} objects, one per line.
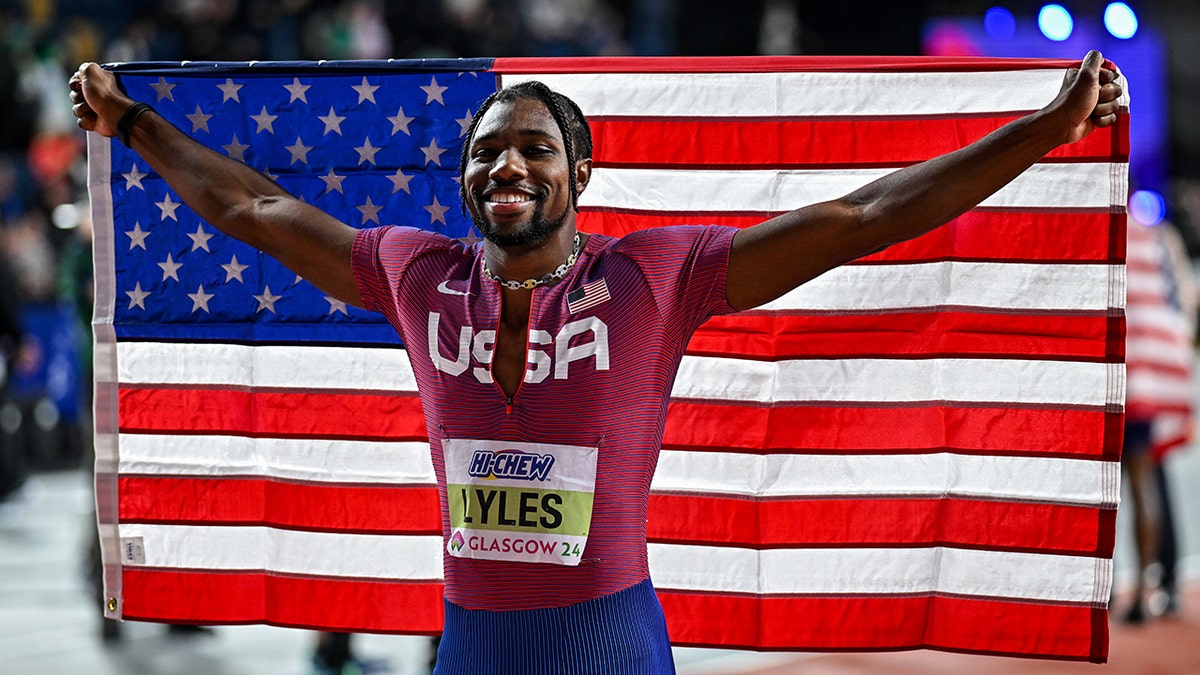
[
  {"x": 919, "y": 449},
  {"x": 1159, "y": 335}
]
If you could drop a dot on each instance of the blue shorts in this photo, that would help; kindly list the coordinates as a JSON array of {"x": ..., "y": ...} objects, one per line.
[
  {"x": 624, "y": 633},
  {"x": 1138, "y": 436}
]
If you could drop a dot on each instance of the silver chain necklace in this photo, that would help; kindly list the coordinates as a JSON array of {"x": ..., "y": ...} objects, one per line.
[{"x": 557, "y": 274}]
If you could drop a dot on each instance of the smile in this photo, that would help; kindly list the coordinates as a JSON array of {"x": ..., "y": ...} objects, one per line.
[{"x": 508, "y": 198}]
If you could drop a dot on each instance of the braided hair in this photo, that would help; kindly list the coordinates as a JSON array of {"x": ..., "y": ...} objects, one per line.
[{"x": 577, "y": 135}]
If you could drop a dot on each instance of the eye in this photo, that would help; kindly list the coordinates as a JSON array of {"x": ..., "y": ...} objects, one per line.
[{"x": 483, "y": 153}]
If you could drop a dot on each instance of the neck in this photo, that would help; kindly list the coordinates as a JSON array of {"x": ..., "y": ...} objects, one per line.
[{"x": 532, "y": 261}]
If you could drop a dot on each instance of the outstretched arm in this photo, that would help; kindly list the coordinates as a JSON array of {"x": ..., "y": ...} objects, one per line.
[
  {"x": 233, "y": 197},
  {"x": 805, "y": 243}
]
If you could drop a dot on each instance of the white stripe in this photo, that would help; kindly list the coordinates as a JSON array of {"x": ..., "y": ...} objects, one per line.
[
  {"x": 673, "y": 567},
  {"x": 1007, "y": 286},
  {"x": 1156, "y": 351},
  {"x": 880, "y": 571},
  {"x": 1152, "y": 387},
  {"x": 1049, "y": 480},
  {"x": 309, "y": 368},
  {"x": 802, "y": 94},
  {"x": 288, "y": 551},
  {"x": 1006, "y": 381},
  {"x": 300, "y": 459},
  {"x": 1074, "y": 185},
  {"x": 1029, "y": 479},
  {"x": 716, "y": 378}
]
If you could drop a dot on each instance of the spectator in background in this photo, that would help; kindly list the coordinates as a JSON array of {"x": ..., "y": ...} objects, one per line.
[{"x": 1160, "y": 322}]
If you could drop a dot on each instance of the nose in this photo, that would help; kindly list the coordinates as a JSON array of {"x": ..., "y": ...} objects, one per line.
[{"x": 509, "y": 165}]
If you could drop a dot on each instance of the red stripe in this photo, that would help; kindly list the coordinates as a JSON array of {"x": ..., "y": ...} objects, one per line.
[
  {"x": 301, "y": 602},
  {"x": 833, "y": 523},
  {"x": 721, "y": 520},
  {"x": 701, "y": 425},
  {"x": 272, "y": 413},
  {"x": 690, "y": 424},
  {"x": 976, "y": 235},
  {"x": 359, "y": 509},
  {"x": 959, "y": 624},
  {"x": 887, "y": 623},
  {"x": 771, "y": 336},
  {"x": 765, "y": 64},
  {"x": 772, "y": 143}
]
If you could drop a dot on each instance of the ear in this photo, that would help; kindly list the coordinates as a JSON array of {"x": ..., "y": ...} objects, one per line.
[{"x": 583, "y": 173}]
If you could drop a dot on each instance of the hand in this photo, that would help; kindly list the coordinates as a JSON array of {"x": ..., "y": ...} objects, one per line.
[
  {"x": 1090, "y": 97},
  {"x": 97, "y": 100}
]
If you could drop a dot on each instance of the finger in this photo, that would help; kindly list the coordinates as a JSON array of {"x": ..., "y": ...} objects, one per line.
[
  {"x": 1109, "y": 108},
  {"x": 1110, "y": 92},
  {"x": 1103, "y": 120},
  {"x": 1092, "y": 62},
  {"x": 1108, "y": 75}
]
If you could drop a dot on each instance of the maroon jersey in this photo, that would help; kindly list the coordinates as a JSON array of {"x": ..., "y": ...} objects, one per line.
[{"x": 604, "y": 346}]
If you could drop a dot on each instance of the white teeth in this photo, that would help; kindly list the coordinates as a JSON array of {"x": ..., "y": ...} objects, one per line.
[{"x": 506, "y": 198}]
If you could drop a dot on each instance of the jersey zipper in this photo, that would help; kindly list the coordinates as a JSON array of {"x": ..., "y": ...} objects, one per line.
[{"x": 508, "y": 400}]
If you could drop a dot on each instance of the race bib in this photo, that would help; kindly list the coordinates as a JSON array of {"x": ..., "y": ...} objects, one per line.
[{"x": 525, "y": 502}]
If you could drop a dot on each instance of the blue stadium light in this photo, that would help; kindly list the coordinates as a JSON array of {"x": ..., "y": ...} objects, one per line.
[
  {"x": 1055, "y": 22},
  {"x": 1000, "y": 23},
  {"x": 1120, "y": 20},
  {"x": 1147, "y": 207}
]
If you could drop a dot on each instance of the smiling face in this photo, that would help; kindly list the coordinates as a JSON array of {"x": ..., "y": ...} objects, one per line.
[{"x": 516, "y": 177}]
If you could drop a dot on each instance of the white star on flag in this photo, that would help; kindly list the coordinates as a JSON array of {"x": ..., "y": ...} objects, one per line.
[
  {"x": 199, "y": 120},
  {"x": 266, "y": 300},
  {"x": 233, "y": 270},
  {"x": 433, "y": 153},
  {"x": 464, "y": 122},
  {"x": 200, "y": 299},
  {"x": 336, "y": 305},
  {"x": 400, "y": 122},
  {"x": 168, "y": 207},
  {"x": 297, "y": 90},
  {"x": 163, "y": 90},
  {"x": 265, "y": 121},
  {"x": 333, "y": 182},
  {"x": 333, "y": 122},
  {"x": 471, "y": 239},
  {"x": 366, "y": 152},
  {"x": 366, "y": 91},
  {"x": 400, "y": 181},
  {"x": 133, "y": 179},
  {"x": 236, "y": 149},
  {"x": 200, "y": 238},
  {"x": 299, "y": 151},
  {"x": 137, "y": 297},
  {"x": 137, "y": 236},
  {"x": 170, "y": 268},
  {"x": 434, "y": 91},
  {"x": 370, "y": 211},
  {"x": 229, "y": 90},
  {"x": 437, "y": 212}
]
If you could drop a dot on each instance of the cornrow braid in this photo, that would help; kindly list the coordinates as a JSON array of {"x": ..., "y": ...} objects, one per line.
[{"x": 576, "y": 133}]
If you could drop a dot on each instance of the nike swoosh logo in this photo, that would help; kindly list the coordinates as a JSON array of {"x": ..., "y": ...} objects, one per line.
[{"x": 443, "y": 288}]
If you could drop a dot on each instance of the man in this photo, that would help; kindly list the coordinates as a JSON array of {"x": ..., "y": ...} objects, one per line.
[{"x": 544, "y": 356}]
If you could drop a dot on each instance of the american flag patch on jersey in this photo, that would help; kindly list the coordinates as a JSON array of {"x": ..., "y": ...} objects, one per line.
[{"x": 587, "y": 296}]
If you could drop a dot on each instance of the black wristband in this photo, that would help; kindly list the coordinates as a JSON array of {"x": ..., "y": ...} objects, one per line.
[{"x": 126, "y": 124}]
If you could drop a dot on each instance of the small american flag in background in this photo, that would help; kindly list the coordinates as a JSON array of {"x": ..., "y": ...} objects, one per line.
[
  {"x": 916, "y": 450},
  {"x": 587, "y": 296}
]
